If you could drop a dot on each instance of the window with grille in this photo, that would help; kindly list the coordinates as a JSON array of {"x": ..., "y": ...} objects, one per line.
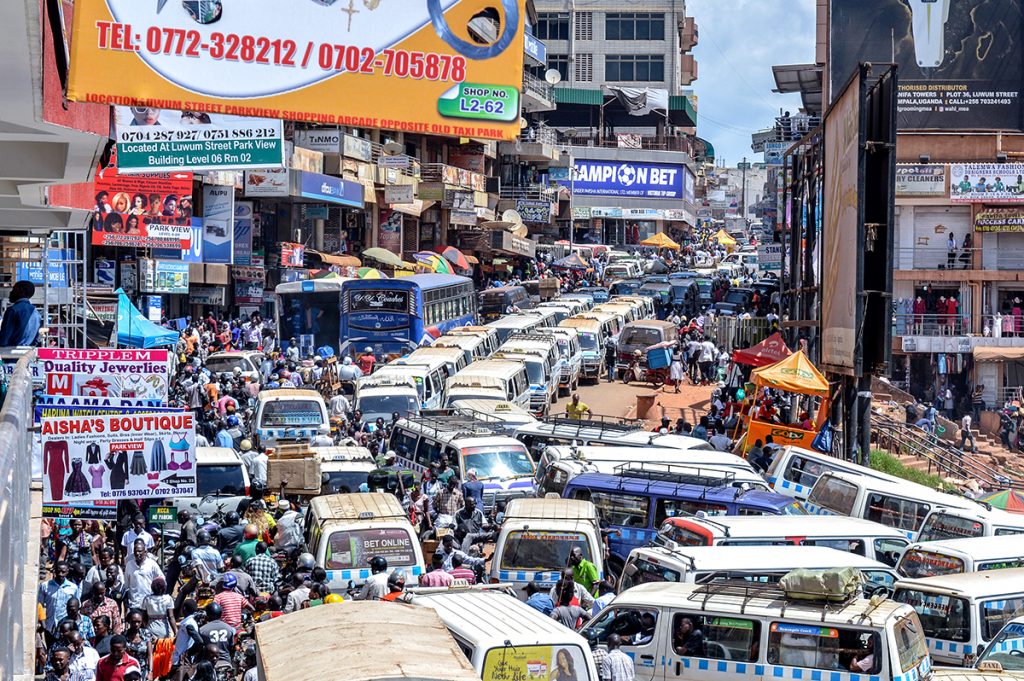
[
  {"x": 584, "y": 68},
  {"x": 648, "y": 68},
  {"x": 634, "y": 26},
  {"x": 584, "y": 25},
  {"x": 552, "y": 26},
  {"x": 559, "y": 62}
]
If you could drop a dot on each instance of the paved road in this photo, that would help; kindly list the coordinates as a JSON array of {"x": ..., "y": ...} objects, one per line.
[{"x": 618, "y": 399}]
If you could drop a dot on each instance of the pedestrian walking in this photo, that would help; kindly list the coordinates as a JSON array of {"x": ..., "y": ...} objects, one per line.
[{"x": 966, "y": 434}]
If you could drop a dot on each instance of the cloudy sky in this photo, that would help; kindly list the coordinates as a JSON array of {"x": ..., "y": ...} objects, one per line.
[{"x": 740, "y": 41}]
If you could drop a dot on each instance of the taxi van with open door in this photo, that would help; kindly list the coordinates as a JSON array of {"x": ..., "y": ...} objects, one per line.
[
  {"x": 731, "y": 630},
  {"x": 344, "y": 531},
  {"x": 954, "y": 556},
  {"x": 504, "y": 638},
  {"x": 962, "y": 613},
  {"x": 854, "y": 535}
]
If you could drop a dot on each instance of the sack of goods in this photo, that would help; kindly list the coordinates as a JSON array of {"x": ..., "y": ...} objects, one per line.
[{"x": 816, "y": 585}]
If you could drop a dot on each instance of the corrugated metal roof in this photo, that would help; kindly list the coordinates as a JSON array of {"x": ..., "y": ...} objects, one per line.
[{"x": 572, "y": 95}]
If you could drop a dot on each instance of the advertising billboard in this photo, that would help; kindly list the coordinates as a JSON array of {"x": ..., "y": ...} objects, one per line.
[
  {"x": 986, "y": 182},
  {"x": 841, "y": 227},
  {"x": 960, "y": 63},
  {"x": 920, "y": 180},
  {"x": 616, "y": 178},
  {"x": 218, "y": 224},
  {"x": 424, "y": 67},
  {"x": 151, "y": 140},
  {"x": 142, "y": 211}
]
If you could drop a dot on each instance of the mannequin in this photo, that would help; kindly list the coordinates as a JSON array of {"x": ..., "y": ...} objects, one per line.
[{"x": 919, "y": 311}]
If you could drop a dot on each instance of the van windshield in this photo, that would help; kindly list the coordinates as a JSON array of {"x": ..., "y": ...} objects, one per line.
[
  {"x": 223, "y": 480},
  {"x": 505, "y": 461},
  {"x": 942, "y": 616},
  {"x": 341, "y": 482},
  {"x": 944, "y": 526},
  {"x": 641, "y": 571},
  {"x": 918, "y": 563},
  {"x": 353, "y": 549},
  {"x": 541, "y": 550},
  {"x": 588, "y": 341},
  {"x": 1005, "y": 649},
  {"x": 220, "y": 365},
  {"x": 535, "y": 372},
  {"x": 910, "y": 644},
  {"x": 291, "y": 413},
  {"x": 383, "y": 406}
]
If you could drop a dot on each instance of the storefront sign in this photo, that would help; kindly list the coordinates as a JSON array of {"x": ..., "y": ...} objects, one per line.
[
  {"x": 90, "y": 458},
  {"x": 140, "y": 374},
  {"x": 195, "y": 254},
  {"x": 775, "y": 152},
  {"x": 1000, "y": 220},
  {"x": 292, "y": 255},
  {"x": 164, "y": 276},
  {"x": 986, "y": 182},
  {"x": 920, "y": 180},
  {"x": 248, "y": 292},
  {"x": 266, "y": 182},
  {"x": 327, "y": 188},
  {"x": 129, "y": 277},
  {"x": 398, "y": 193},
  {"x": 248, "y": 273},
  {"x": 218, "y": 224},
  {"x": 397, "y": 161},
  {"x": 104, "y": 272},
  {"x": 769, "y": 257},
  {"x": 245, "y": 216},
  {"x": 534, "y": 211},
  {"x": 512, "y": 244},
  {"x": 581, "y": 213},
  {"x": 394, "y": 65},
  {"x": 357, "y": 148},
  {"x": 390, "y": 235},
  {"x": 536, "y": 50},
  {"x": 56, "y": 270},
  {"x": 206, "y": 295},
  {"x": 325, "y": 141},
  {"x": 483, "y": 213},
  {"x": 606, "y": 212},
  {"x": 612, "y": 178},
  {"x": 152, "y": 140},
  {"x": 470, "y": 157},
  {"x": 462, "y": 217},
  {"x": 142, "y": 211}
]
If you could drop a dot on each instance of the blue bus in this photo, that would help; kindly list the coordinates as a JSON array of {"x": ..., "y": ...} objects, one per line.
[
  {"x": 394, "y": 316},
  {"x": 308, "y": 311}
]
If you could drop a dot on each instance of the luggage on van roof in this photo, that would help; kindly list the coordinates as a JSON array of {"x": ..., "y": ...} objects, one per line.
[{"x": 368, "y": 506}]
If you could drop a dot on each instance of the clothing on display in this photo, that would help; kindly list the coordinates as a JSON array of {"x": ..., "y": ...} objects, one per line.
[
  {"x": 139, "y": 463},
  {"x": 118, "y": 469},
  {"x": 92, "y": 454},
  {"x": 97, "y": 475},
  {"x": 56, "y": 465},
  {"x": 157, "y": 457},
  {"x": 77, "y": 485},
  {"x": 179, "y": 446}
]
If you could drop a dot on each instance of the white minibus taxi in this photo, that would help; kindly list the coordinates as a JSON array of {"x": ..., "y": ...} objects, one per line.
[
  {"x": 489, "y": 334},
  {"x": 701, "y": 564},
  {"x": 536, "y": 538},
  {"x": 953, "y": 556},
  {"x": 514, "y": 323},
  {"x": 978, "y": 521},
  {"x": 473, "y": 347},
  {"x": 903, "y": 505},
  {"x": 454, "y": 358},
  {"x": 429, "y": 375},
  {"x": 497, "y": 380},
  {"x": 1005, "y": 653},
  {"x": 853, "y": 535},
  {"x": 737, "y": 631},
  {"x": 961, "y": 613},
  {"x": 794, "y": 470},
  {"x": 506, "y": 639}
]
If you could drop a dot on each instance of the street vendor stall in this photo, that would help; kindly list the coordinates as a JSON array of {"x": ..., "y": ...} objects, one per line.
[
  {"x": 769, "y": 351},
  {"x": 661, "y": 240},
  {"x": 723, "y": 238},
  {"x": 795, "y": 375}
]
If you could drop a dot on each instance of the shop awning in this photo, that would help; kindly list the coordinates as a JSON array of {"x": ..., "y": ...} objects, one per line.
[
  {"x": 794, "y": 374},
  {"x": 996, "y": 354},
  {"x": 769, "y": 351},
  {"x": 414, "y": 209},
  {"x": 660, "y": 240},
  {"x": 340, "y": 260}
]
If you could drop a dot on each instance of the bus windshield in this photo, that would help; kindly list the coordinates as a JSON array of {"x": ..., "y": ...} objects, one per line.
[
  {"x": 588, "y": 341},
  {"x": 383, "y": 406},
  {"x": 505, "y": 461}
]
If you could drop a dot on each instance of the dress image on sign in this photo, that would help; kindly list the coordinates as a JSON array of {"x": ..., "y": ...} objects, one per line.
[
  {"x": 77, "y": 485},
  {"x": 55, "y": 467}
]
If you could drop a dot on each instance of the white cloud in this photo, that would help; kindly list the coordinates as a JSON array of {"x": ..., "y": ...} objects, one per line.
[{"x": 740, "y": 41}]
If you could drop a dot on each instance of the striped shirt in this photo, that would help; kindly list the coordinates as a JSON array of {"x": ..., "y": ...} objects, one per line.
[
  {"x": 463, "y": 573},
  {"x": 231, "y": 605}
]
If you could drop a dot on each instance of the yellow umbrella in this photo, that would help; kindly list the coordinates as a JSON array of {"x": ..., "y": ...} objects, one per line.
[
  {"x": 660, "y": 240},
  {"x": 723, "y": 238},
  {"x": 370, "y": 273}
]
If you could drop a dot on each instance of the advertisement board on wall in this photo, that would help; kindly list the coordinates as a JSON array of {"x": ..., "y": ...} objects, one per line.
[
  {"x": 614, "y": 178},
  {"x": 245, "y": 216},
  {"x": 840, "y": 231},
  {"x": 1000, "y": 220},
  {"x": 398, "y": 193},
  {"x": 396, "y": 65},
  {"x": 986, "y": 182},
  {"x": 292, "y": 255},
  {"x": 142, "y": 211},
  {"x": 960, "y": 63},
  {"x": 920, "y": 180},
  {"x": 164, "y": 276},
  {"x": 775, "y": 152},
  {"x": 327, "y": 141},
  {"x": 218, "y": 224},
  {"x": 139, "y": 374},
  {"x": 56, "y": 271},
  {"x": 206, "y": 295},
  {"x": 266, "y": 182},
  {"x": 532, "y": 210},
  {"x": 390, "y": 236},
  {"x": 151, "y": 140},
  {"x": 769, "y": 257},
  {"x": 327, "y": 188}
]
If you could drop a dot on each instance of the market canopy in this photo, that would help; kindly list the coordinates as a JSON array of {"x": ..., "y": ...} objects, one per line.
[
  {"x": 385, "y": 256},
  {"x": 997, "y": 354},
  {"x": 571, "y": 262},
  {"x": 661, "y": 240},
  {"x": 135, "y": 331},
  {"x": 769, "y": 351},
  {"x": 795, "y": 374},
  {"x": 722, "y": 237}
]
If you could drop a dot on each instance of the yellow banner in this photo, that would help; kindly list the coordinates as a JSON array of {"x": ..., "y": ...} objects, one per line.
[
  {"x": 781, "y": 435},
  {"x": 443, "y": 67}
]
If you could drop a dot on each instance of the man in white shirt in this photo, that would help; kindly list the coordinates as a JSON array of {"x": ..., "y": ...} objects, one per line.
[
  {"x": 618, "y": 666},
  {"x": 707, "y": 358},
  {"x": 966, "y": 434},
  {"x": 140, "y": 571},
  {"x": 137, "y": 532},
  {"x": 339, "y": 405},
  {"x": 84, "y": 658}
]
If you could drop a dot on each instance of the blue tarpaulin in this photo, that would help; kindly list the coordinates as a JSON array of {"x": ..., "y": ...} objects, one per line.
[{"x": 135, "y": 331}]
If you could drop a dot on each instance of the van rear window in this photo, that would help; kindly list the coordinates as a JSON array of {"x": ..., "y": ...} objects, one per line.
[
  {"x": 835, "y": 495},
  {"x": 291, "y": 413},
  {"x": 626, "y": 510},
  {"x": 541, "y": 550},
  {"x": 638, "y": 335},
  {"x": 942, "y": 616},
  {"x": 944, "y": 526},
  {"x": 224, "y": 480},
  {"x": 641, "y": 571},
  {"x": 683, "y": 535},
  {"x": 918, "y": 563},
  {"x": 353, "y": 549}
]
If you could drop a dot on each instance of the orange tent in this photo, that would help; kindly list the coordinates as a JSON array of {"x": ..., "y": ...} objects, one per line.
[{"x": 769, "y": 351}]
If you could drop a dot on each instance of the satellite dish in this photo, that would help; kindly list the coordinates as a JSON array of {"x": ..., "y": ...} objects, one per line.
[
  {"x": 553, "y": 76},
  {"x": 523, "y": 123},
  {"x": 393, "y": 148},
  {"x": 511, "y": 216}
]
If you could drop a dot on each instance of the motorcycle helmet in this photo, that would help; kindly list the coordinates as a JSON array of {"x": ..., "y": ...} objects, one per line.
[
  {"x": 378, "y": 564},
  {"x": 232, "y": 518},
  {"x": 637, "y": 354},
  {"x": 305, "y": 562},
  {"x": 213, "y": 610},
  {"x": 334, "y": 598},
  {"x": 396, "y": 578},
  {"x": 229, "y": 581},
  {"x": 232, "y": 421},
  {"x": 245, "y": 445},
  {"x": 204, "y": 537}
]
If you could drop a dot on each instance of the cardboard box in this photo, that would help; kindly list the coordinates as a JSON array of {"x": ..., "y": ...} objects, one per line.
[{"x": 297, "y": 476}]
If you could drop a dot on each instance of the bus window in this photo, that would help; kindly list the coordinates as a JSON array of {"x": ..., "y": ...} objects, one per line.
[
  {"x": 620, "y": 509},
  {"x": 902, "y": 514},
  {"x": 428, "y": 452},
  {"x": 794, "y": 645},
  {"x": 717, "y": 638}
]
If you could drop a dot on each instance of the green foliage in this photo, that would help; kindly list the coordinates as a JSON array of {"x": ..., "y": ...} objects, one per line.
[{"x": 886, "y": 463}]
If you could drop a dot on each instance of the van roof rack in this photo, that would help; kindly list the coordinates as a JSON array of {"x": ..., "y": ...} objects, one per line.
[
  {"x": 751, "y": 591},
  {"x": 676, "y": 473},
  {"x": 530, "y": 336},
  {"x": 596, "y": 422},
  {"x": 452, "y": 424}
]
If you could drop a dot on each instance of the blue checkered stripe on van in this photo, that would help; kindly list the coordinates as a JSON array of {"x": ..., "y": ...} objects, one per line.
[
  {"x": 949, "y": 647},
  {"x": 364, "y": 574},
  {"x": 1008, "y": 644},
  {"x": 543, "y": 578},
  {"x": 776, "y": 483},
  {"x": 630, "y": 534},
  {"x": 770, "y": 671}
]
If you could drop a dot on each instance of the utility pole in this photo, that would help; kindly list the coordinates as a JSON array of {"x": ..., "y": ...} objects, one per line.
[{"x": 743, "y": 195}]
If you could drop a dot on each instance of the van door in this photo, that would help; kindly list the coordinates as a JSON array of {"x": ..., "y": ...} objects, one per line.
[
  {"x": 705, "y": 646},
  {"x": 644, "y": 632}
]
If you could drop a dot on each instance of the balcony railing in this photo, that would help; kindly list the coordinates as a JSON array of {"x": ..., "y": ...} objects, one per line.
[
  {"x": 931, "y": 324},
  {"x": 789, "y": 128},
  {"x": 540, "y": 88},
  {"x": 1002, "y": 325},
  {"x": 654, "y": 143},
  {"x": 934, "y": 258},
  {"x": 1009, "y": 259},
  {"x": 528, "y": 191}
]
